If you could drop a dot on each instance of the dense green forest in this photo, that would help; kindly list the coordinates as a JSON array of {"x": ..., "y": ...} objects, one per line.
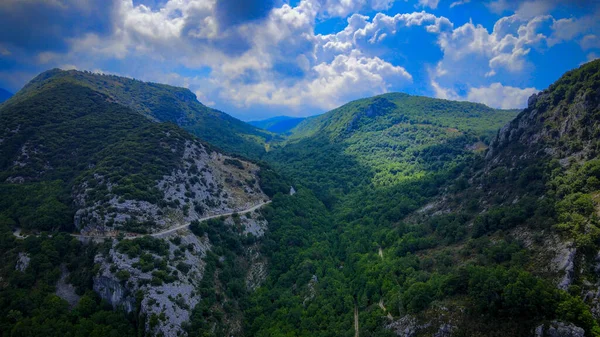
[{"x": 384, "y": 140}]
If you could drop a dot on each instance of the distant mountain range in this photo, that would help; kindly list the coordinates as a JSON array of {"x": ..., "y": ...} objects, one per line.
[
  {"x": 279, "y": 124},
  {"x": 4, "y": 95}
]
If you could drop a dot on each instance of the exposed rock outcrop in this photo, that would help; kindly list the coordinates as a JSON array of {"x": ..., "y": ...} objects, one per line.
[
  {"x": 124, "y": 282},
  {"x": 559, "y": 329},
  {"x": 205, "y": 183},
  {"x": 172, "y": 302},
  {"x": 22, "y": 262}
]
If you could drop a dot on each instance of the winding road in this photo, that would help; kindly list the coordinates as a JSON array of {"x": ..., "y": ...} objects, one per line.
[{"x": 174, "y": 229}]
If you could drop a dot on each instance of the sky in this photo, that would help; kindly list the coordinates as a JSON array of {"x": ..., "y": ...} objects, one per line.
[{"x": 256, "y": 59}]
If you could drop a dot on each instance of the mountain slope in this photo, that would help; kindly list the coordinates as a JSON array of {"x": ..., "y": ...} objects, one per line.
[
  {"x": 106, "y": 154},
  {"x": 4, "y": 95},
  {"x": 72, "y": 158},
  {"x": 164, "y": 103},
  {"x": 384, "y": 140},
  {"x": 280, "y": 124}
]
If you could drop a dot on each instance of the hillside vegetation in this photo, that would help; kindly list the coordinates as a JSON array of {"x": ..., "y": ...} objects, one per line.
[
  {"x": 164, "y": 103},
  {"x": 385, "y": 140}
]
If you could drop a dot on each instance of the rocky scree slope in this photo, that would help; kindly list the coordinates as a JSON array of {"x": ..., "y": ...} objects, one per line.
[{"x": 166, "y": 281}]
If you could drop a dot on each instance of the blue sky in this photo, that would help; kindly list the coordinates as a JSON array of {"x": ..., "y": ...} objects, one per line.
[{"x": 260, "y": 58}]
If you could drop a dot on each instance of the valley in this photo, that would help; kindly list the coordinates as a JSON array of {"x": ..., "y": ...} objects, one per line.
[{"x": 140, "y": 211}]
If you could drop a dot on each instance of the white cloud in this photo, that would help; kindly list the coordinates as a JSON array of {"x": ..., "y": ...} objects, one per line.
[
  {"x": 342, "y": 8},
  {"x": 459, "y": 2},
  {"x": 568, "y": 29},
  {"x": 499, "y": 96},
  {"x": 494, "y": 95},
  {"x": 590, "y": 41},
  {"x": 429, "y": 3},
  {"x": 331, "y": 84},
  {"x": 471, "y": 51},
  {"x": 499, "y": 6}
]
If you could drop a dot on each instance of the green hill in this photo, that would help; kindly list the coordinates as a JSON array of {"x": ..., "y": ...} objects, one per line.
[
  {"x": 385, "y": 140},
  {"x": 164, "y": 103}
]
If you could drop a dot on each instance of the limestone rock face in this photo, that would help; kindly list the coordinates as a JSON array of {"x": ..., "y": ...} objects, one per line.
[
  {"x": 22, "y": 262},
  {"x": 124, "y": 283},
  {"x": 559, "y": 329},
  {"x": 545, "y": 127},
  {"x": 205, "y": 183}
]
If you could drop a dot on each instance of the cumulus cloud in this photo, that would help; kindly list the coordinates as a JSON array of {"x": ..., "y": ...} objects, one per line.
[
  {"x": 495, "y": 95},
  {"x": 527, "y": 9},
  {"x": 473, "y": 56},
  {"x": 570, "y": 28},
  {"x": 342, "y": 8},
  {"x": 499, "y": 96},
  {"x": 331, "y": 84}
]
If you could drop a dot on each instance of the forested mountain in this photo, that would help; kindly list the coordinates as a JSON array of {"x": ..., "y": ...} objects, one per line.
[
  {"x": 4, "y": 95},
  {"x": 385, "y": 140},
  {"x": 164, "y": 103},
  {"x": 280, "y": 124},
  {"x": 72, "y": 159},
  {"x": 394, "y": 215}
]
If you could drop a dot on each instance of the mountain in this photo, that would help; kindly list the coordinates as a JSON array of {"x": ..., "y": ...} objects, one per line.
[
  {"x": 4, "y": 95},
  {"x": 280, "y": 124},
  {"x": 73, "y": 159},
  {"x": 384, "y": 140},
  {"x": 164, "y": 103},
  {"x": 500, "y": 243}
]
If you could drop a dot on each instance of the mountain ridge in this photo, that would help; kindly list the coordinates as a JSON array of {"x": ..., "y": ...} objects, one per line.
[{"x": 164, "y": 103}]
